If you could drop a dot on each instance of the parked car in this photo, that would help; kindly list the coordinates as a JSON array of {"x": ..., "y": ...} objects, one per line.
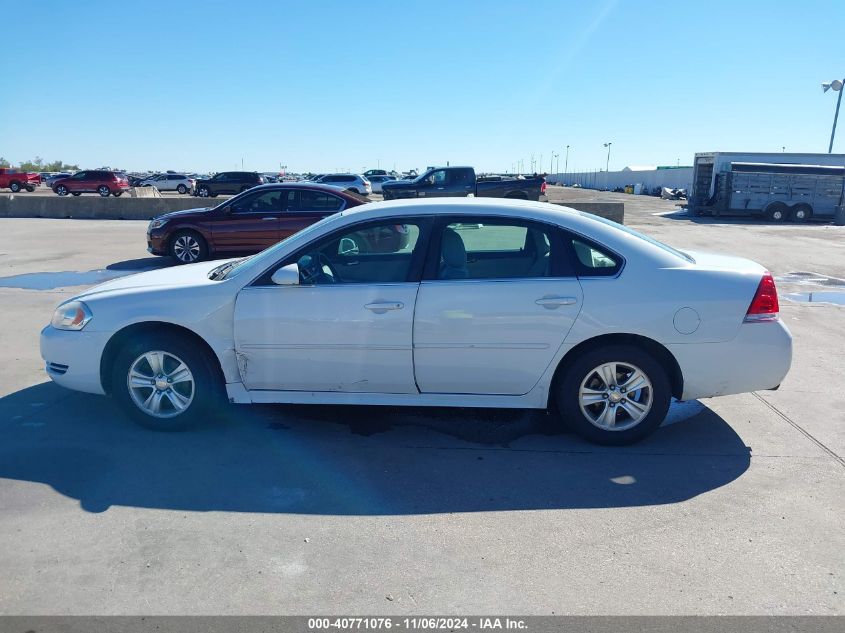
[
  {"x": 49, "y": 182},
  {"x": 351, "y": 182},
  {"x": 105, "y": 183},
  {"x": 461, "y": 181},
  {"x": 323, "y": 318},
  {"x": 246, "y": 223},
  {"x": 17, "y": 180},
  {"x": 376, "y": 182},
  {"x": 227, "y": 182},
  {"x": 170, "y": 182},
  {"x": 375, "y": 172}
]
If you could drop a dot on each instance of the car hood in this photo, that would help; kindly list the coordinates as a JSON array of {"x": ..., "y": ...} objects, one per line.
[
  {"x": 182, "y": 214},
  {"x": 170, "y": 277}
]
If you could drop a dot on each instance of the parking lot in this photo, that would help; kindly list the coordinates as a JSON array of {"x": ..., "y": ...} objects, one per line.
[{"x": 734, "y": 507}]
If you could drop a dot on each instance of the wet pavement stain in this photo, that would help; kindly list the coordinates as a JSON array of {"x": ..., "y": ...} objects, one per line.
[
  {"x": 63, "y": 279},
  {"x": 837, "y": 298}
]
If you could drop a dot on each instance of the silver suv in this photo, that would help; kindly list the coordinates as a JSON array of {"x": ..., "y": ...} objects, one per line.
[{"x": 349, "y": 182}]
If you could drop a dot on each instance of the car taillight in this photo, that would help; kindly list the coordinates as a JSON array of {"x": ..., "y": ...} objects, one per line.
[
  {"x": 543, "y": 187},
  {"x": 764, "y": 306}
]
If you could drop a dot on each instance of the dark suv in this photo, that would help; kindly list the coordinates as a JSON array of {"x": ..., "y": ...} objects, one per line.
[
  {"x": 105, "y": 183},
  {"x": 227, "y": 182}
]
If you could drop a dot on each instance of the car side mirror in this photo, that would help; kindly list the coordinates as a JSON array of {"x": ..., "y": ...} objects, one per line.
[{"x": 286, "y": 276}]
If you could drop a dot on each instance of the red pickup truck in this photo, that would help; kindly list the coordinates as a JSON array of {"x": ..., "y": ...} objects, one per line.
[{"x": 17, "y": 180}]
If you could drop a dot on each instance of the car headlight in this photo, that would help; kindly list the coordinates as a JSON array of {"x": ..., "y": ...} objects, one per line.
[
  {"x": 73, "y": 315},
  {"x": 157, "y": 223}
]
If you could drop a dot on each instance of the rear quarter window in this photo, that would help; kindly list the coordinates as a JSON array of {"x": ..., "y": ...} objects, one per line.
[{"x": 592, "y": 260}]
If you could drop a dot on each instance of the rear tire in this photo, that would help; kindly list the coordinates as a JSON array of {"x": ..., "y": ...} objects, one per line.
[
  {"x": 167, "y": 373},
  {"x": 801, "y": 213},
  {"x": 777, "y": 212},
  {"x": 182, "y": 189},
  {"x": 104, "y": 191},
  {"x": 188, "y": 247},
  {"x": 615, "y": 414}
]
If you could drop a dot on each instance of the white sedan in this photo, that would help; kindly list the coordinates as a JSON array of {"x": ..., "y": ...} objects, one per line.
[{"x": 449, "y": 302}]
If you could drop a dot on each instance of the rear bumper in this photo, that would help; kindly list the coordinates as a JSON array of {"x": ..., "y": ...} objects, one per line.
[
  {"x": 73, "y": 358},
  {"x": 757, "y": 359}
]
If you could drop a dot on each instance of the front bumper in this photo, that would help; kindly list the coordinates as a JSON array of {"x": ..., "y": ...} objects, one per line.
[
  {"x": 157, "y": 243},
  {"x": 757, "y": 359},
  {"x": 73, "y": 358}
]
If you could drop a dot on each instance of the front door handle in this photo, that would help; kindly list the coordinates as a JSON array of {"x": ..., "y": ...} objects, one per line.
[
  {"x": 380, "y": 307},
  {"x": 269, "y": 218},
  {"x": 551, "y": 303}
]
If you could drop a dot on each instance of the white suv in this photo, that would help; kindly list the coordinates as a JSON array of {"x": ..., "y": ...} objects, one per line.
[
  {"x": 170, "y": 182},
  {"x": 349, "y": 182}
]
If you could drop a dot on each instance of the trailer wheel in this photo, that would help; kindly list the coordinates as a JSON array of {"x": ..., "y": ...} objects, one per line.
[
  {"x": 801, "y": 213},
  {"x": 777, "y": 212}
]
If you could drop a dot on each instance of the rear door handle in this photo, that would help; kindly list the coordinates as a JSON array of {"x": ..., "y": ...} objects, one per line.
[
  {"x": 269, "y": 218},
  {"x": 555, "y": 302},
  {"x": 381, "y": 307}
]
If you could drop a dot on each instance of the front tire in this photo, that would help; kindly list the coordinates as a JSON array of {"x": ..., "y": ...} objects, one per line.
[
  {"x": 203, "y": 192},
  {"x": 165, "y": 383},
  {"x": 614, "y": 395},
  {"x": 188, "y": 247},
  {"x": 104, "y": 191},
  {"x": 61, "y": 190},
  {"x": 15, "y": 187}
]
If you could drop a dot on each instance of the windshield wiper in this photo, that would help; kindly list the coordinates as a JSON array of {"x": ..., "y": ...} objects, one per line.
[{"x": 220, "y": 271}]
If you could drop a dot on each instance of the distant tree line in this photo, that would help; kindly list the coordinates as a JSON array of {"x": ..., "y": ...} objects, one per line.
[{"x": 38, "y": 164}]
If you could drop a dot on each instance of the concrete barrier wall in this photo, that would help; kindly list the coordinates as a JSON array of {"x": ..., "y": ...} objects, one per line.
[
  {"x": 96, "y": 208},
  {"x": 124, "y": 208},
  {"x": 610, "y": 210}
]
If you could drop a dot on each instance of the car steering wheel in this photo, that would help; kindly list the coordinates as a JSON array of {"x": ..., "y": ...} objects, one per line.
[{"x": 311, "y": 269}]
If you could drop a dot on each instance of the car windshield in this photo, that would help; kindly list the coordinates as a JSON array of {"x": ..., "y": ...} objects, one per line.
[{"x": 642, "y": 236}]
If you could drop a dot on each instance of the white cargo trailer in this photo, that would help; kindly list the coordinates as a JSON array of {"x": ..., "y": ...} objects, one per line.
[{"x": 777, "y": 186}]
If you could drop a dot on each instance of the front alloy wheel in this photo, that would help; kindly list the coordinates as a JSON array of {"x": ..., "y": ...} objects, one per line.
[
  {"x": 61, "y": 190},
  {"x": 203, "y": 192},
  {"x": 187, "y": 247},
  {"x": 166, "y": 382},
  {"x": 160, "y": 384}
]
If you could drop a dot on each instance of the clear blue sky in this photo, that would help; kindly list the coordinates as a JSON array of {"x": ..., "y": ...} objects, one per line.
[{"x": 341, "y": 85}]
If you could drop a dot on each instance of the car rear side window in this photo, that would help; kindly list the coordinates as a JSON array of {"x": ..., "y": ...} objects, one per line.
[
  {"x": 318, "y": 201},
  {"x": 498, "y": 248},
  {"x": 592, "y": 260}
]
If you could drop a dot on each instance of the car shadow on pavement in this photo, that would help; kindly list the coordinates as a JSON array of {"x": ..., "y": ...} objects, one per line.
[
  {"x": 142, "y": 264},
  {"x": 352, "y": 460}
]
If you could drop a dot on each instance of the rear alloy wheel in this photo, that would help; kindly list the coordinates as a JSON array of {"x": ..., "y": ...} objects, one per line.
[
  {"x": 801, "y": 213},
  {"x": 614, "y": 395},
  {"x": 61, "y": 190},
  {"x": 182, "y": 189},
  {"x": 187, "y": 247},
  {"x": 15, "y": 187},
  {"x": 165, "y": 383},
  {"x": 777, "y": 212},
  {"x": 104, "y": 191}
]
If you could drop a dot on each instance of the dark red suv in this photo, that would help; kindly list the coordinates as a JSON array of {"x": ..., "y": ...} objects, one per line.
[
  {"x": 247, "y": 223},
  {"x": 105, "y": 183}
]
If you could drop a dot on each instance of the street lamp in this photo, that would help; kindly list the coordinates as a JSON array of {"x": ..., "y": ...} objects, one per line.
[
  {"x": 566, "y": 163},
  {"x": 607, "y": 165},
  {"x": 836, "y": 86}
]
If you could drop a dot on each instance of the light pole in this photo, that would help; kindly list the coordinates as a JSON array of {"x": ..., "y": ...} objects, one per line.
[
  {"x": 836, "y": 86},
  {"x": 566, "y": 163},
  {"x": 607, "y": 165}
]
